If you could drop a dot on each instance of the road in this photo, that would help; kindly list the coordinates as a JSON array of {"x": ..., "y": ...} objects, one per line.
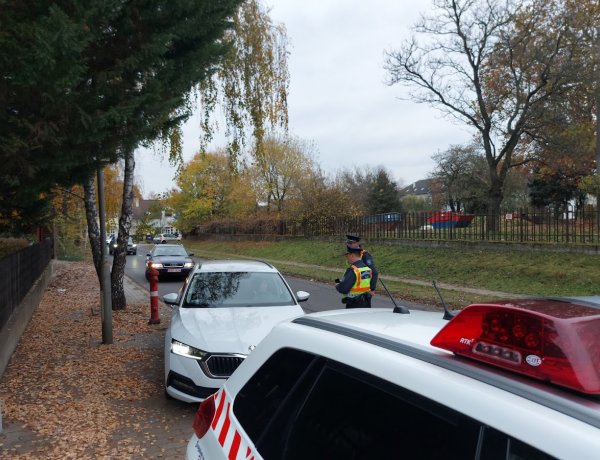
[{"x": 323, "y": 296}]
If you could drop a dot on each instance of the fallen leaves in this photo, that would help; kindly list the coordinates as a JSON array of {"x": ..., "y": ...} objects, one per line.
[{"x": 78, "y": 397}]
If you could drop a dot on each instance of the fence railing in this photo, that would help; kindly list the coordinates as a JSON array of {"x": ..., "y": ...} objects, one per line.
[
  {"x": 522, "y": 226},
  {"x": 18, "y": 272}
]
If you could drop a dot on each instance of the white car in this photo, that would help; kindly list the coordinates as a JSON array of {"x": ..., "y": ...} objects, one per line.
[
  {"x": 163, "y": 238},
  {"x": 501, "y": 381},
  {"x": 226, "y": 307}
]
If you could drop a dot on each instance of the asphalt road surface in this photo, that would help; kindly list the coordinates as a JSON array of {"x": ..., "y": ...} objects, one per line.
[{"x": 323, "y": 296}]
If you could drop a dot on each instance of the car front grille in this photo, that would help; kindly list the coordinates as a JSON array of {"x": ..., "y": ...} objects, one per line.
[
  {"x": 221, "y": 366},
  {"x": 173, "y": 265}
]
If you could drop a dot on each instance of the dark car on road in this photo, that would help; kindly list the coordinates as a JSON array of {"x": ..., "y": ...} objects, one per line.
[
  {"x": 170, "y": 260},
  {"x": 131, "y": 246}
]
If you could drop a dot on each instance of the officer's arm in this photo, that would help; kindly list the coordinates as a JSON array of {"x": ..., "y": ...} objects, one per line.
[{"x": 347, "y": 282}]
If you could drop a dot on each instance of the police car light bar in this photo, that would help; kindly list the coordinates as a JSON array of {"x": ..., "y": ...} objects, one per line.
[{"x": 549, "y": 340}]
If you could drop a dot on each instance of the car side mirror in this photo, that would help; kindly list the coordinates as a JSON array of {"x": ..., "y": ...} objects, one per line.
[
  {"x": 191, "y": 254},
  {"x": 302, "y": 296},
  {"x": 170, "y": 299}
]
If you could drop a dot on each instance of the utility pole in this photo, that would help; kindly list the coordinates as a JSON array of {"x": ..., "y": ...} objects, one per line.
[{"x": 105, "y": 299}]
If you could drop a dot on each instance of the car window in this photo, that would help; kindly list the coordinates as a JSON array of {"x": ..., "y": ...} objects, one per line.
[
  {"x": 237, "y": 289},
  {"x": 169, "y": 251},
  {"x": 299, "y": 406}
]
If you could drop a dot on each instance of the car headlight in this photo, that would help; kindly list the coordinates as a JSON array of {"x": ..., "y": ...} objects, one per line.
[
  {"x": 180, "y": 348},
  {"x": 134, "y": 245},
  {"x": 155, "y": 265},
  {"x": 189, "y": 265}
]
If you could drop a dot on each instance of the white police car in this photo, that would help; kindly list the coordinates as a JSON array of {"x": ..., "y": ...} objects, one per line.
[{"x": 507, "y": 380}]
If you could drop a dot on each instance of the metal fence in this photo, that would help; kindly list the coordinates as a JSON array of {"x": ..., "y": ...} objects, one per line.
[
  {"x": 522, "y": 226},
  {"x": 18, "y": 273}
]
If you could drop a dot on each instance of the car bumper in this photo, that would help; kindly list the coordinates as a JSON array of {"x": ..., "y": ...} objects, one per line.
[
  {"x": 186, "y": 380},
  {"x": 167, "y": 272}
]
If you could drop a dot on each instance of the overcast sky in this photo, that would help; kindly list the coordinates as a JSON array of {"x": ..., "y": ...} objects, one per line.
[{"x": 338, "y": 97}]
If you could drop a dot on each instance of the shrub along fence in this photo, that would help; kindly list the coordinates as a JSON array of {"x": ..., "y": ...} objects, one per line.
[
  {"x": 523, "y": 226},
  {"x": 18, "y": 273}
]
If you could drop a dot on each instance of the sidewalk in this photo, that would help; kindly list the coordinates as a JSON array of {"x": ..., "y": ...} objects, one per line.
[{"x": 67, "y": 395}]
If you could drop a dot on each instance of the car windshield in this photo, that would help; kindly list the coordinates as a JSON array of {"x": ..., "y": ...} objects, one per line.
[
  {"x": 170, "y": 251},
  {"x": 237, "y": 289}
]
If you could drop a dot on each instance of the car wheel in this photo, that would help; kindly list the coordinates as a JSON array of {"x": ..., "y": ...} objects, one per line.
[{"x": 164, "y": 242}]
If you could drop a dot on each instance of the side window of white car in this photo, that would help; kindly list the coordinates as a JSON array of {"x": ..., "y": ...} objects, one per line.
[{"x": 298, "y": 406}]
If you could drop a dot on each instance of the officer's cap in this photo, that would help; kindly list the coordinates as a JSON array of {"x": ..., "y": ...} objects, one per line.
[
  {"x": 352, "y": 250},
  {"x": 353, "y": 238}
]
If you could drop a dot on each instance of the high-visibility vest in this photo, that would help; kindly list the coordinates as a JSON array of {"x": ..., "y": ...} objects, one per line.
[{"x": 363, "y": 281}]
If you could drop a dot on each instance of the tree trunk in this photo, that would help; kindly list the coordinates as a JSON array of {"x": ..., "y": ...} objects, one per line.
[
  {"x": 597, "y": 80},
  {"x": 119, "y": 302},
  {"x": 494, "y": 200},
  {"x": 91, "y": 213}
]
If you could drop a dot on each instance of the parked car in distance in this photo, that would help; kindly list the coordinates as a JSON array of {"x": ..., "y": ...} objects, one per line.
[
  {"x": 131, "y": 246},
  {"x": 170, "y": 260},
  {"x": 518, "y": 379},
  {"x": 225, "y": 309},
  {"x": 163, "y": 238}
]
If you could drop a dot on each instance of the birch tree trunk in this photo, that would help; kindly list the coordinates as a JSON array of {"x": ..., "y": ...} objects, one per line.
[{"x": 119, "y": 302}]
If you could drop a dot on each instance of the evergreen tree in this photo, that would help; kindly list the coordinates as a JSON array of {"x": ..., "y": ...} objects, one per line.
[{"x": 383, "y": 196}]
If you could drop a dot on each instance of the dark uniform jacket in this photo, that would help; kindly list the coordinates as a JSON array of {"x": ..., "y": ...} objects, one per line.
[
  {"x": 346, "y": 283},
  {"x": 368, "y": 261}
]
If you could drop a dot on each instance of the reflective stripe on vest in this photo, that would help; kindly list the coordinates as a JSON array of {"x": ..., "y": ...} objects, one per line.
[{"x": 362, "y": 283}]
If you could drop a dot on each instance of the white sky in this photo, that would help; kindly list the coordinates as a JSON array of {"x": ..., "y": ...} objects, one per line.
[{"x": 338, "y": 99}]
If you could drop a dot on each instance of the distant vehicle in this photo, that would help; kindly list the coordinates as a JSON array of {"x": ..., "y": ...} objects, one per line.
[
  {"x": 388, "y": 221},
  {"x": 131, "y": 246},
  {"x": 450, "y": 220},
  {"x": 225, "y": 309},
  {"x": 163, "y": 238},
  {"x": 515, "y": 380},
  {"x": 170, "y": 260}
]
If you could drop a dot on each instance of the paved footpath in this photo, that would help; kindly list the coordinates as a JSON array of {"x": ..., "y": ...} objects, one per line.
[{"x": 159, "y": 428}]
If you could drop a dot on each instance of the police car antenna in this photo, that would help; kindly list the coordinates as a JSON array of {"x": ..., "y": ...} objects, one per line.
[
  {"x": 397, "y": 308},
  {"x": 448, "y": 315}
]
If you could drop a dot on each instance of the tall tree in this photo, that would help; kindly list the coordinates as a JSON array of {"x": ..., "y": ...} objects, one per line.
[
  {"x": 252, "y": 82},
  {"x": 42, "y": 48},
  {"x": 461, "y": 172},
  {"x": 92, "y": 81},
  {"x": 207, "y": 189},
  {"x": 493, "y": 66},
  {"x": 383, "y": 195},
  {"x": 283, "y": 161}
]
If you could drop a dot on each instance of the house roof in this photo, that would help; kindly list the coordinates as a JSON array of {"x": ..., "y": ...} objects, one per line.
[
  {"x": 141, "y": 206},
  {"x": 418, "y": 188}
]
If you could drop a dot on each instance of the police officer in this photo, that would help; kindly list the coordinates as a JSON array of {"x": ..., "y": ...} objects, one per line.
[
  {"x": 356, "y": 285},
  {"x": 355, "y": 242}
]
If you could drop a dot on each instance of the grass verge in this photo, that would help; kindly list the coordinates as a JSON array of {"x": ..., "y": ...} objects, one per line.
[{"x": 471, "y": 275}]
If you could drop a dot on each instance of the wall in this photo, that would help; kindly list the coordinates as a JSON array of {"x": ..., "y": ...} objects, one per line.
[{"x": 14, "y": 328}]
